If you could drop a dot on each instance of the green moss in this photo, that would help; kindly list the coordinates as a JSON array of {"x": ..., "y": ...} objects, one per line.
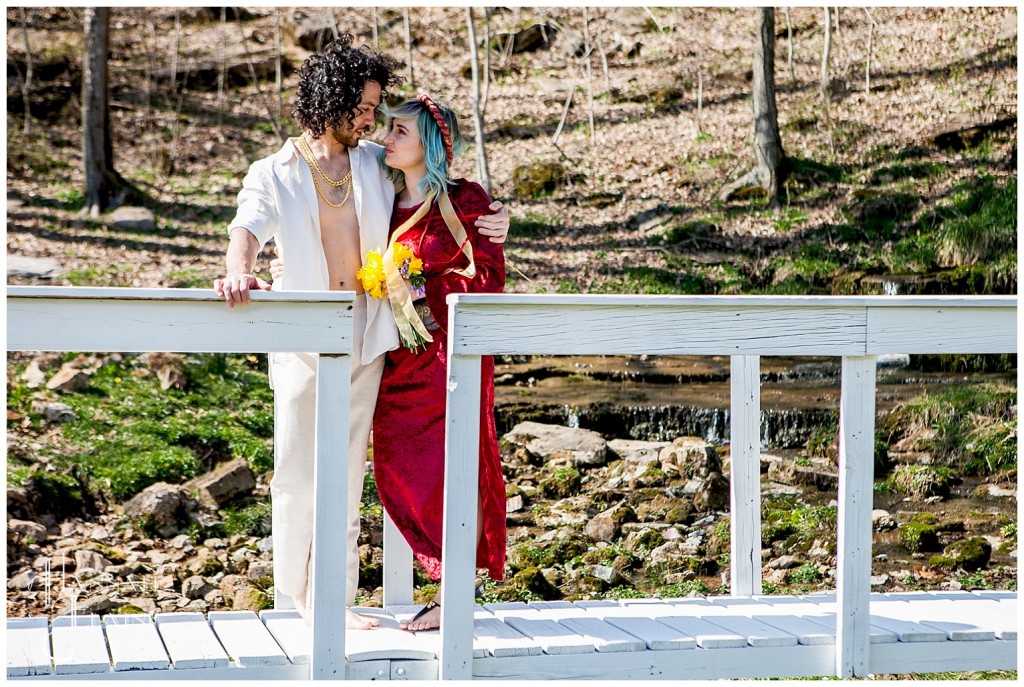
[
  {"x": 922, "y": 481},
  {"x": 533, "y": 582},
  {"x": 918, "y": 536},
  {"x": 969, "y": 554},
  {"x": 564, "y": 482},
  {"x": 540, "y": 179},
  {"x": 252, "y": 520}
]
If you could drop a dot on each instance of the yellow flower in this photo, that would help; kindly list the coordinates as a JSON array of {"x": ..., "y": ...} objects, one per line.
[{"x": 372, "y": 274}]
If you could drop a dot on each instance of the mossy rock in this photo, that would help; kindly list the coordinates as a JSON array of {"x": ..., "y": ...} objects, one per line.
[
  {"x": 113, "y": 555},
  {"x": 532, "y": 580},
  {"x": 969, "y": 554},
  {"x": 918, "y": 536},
  {"x": 539, "y": 179},
  {"x": 128, "y": 609},
  {"x": 922, "y": 481},
  {"x": 565, "y": 482}
]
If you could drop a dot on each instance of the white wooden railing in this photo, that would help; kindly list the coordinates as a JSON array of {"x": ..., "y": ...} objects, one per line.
[
  {"x": 180, "y": 320},
  {"x": 856, "y": 328},
  {"x": 745, "y": 327}
]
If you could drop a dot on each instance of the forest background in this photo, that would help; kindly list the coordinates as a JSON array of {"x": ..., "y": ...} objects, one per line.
[{"x": 613, "y": 135}]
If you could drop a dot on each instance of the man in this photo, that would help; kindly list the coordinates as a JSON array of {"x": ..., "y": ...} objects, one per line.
[{"x": 326, "y": 202}]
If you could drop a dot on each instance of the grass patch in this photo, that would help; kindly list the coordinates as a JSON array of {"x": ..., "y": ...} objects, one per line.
[
  {"x": 533, "y": 226},
  {"x": 653, "y": 280},
  {"x": 253, "y": 520},
  {"x": 130, "y": 434}
]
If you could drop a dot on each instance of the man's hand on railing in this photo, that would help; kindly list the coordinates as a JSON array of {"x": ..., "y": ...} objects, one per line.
[
  {"x": 277, "y": 268},
  {"x": 234, "y": 288}
]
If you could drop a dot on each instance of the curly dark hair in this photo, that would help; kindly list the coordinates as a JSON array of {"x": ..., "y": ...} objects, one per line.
[{"x": 331, "y": 83}]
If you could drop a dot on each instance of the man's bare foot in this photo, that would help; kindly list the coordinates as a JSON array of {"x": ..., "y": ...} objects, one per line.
[
  {"x": 300, "y": 608},
  {"x": 427, "y": 619},
  {"x": 355, "y": 621}
]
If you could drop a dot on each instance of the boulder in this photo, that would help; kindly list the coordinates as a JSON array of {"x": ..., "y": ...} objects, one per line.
[
  {"x": 607, "y": 573},
  {"x": 54, "y": 412},
  {"x": 90, "y": 559},
  {"x": 819, "y": 473},
  {"x": 92, "y": 605},
  {"x": 19, "y": 266},
  {"x": 882, "y": 520},
  {"x": 225, "y": 482},
  {"x": 23, "y": 581},
  {"x": 68, "y": 379},
  {"x": 548, "y": 444},
  {"x": 160, "y": 507},
  {"x": 968, "y": 554},
  {"x": 528, "y": 38},
  {"x": 131, "y": 218},
  {"x": 712, "y": 494},
  {"x": 607, "y": 525},
  {"x": 33, "y": 376},
  {"x": 310, "y": 31},
  {"x": 195, "y": 587},
  {"x": 689, "y": 457},
  {"x": 27, "y": 529}
]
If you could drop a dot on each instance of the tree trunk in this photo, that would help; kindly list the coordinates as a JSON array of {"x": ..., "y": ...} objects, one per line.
[
  {"x": 772, "y": 166},
  {"x": 767, "y": 142},
  {"x": 483, "y": 171},
  {"x": 97, "y": 150},
  {"x": 26, "y": 86},
  {"x": 408, "y": 45},
  {"x": 826, "y": 53}
]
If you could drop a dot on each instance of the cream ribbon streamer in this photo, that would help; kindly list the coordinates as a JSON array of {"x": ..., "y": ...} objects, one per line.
[{"x": 410, "y": 325}]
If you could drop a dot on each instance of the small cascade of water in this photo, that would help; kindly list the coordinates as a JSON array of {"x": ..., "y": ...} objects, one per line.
[
  {"x": 890, "y": 288},
  {"x": 572, "y": 417}
]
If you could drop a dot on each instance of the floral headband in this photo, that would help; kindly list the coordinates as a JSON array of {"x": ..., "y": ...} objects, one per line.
[{"x": 446, "y": 135}]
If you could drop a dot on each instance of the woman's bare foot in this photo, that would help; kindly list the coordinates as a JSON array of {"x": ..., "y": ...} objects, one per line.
[
  {"x": 427, "y": 619},
  {"x": 355, "y": 621}
]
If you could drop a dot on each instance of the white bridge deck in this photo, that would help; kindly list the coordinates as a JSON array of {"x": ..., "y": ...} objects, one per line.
[{"x": 718, "y": 637}]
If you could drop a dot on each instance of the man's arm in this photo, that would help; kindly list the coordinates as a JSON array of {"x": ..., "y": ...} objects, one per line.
[
  {"x": 234, "y": 288},
  {"x": 494, "y": 226}
]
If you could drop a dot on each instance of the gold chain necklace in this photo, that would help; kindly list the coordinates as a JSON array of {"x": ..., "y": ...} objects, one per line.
[
  {"x": 307, "y": 155},
  {"x": 312, "y": 158}
]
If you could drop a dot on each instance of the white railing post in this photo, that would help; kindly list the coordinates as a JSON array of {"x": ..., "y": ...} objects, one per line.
[
  {"x": 745, "y": 475},
  {"x": 461, "y": 487},
  {"x": 398, "y": 581},
  {"x": 853, "y": 548},
  {"x": 330, "y": 519}
]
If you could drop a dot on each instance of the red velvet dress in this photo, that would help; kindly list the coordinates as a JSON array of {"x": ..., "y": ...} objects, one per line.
[{"x": 409, "y": 421}]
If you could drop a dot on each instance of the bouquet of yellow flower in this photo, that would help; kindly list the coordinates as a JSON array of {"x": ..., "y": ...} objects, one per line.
[{"x": 375, "y": 281}]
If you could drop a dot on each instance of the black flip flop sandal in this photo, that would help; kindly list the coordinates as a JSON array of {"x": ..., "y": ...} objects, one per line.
[{"x": 423, "y": 611}]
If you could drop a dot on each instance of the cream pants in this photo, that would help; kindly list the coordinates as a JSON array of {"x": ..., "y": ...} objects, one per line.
[{"x": 293, "y": 377}]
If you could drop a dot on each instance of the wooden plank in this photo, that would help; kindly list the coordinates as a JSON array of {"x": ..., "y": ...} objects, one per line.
[
  {"x": 134, "y": 643},
  {"x": 398, "y": 581},
  {"x": 607, "y": 638},
  {"x": 245, "y": 639},
  {"x": 942, "y": 614},
  {"x": 745, "y": 662},
  {"x": 461, "y": 484},
  {"x": 190, "y": 641},
  {"x": 757, "y": 633},
  {"x": 66, "y": 319},
  {"x": 820, "y": 616},
  {"x": 653, "y": 327},
  {"x": 707, "y": 635},
  {"x": 492, "y": 637},
  {"x": 28, "y": 647},
  {"x": 387, "y": 641},
  {"x": 330, "y": 553},
  {"x": 78, "y": 645},
  {"x": 907, "y": 631},
  {"x": 942, "y": 330},
  {"x": 550, "y": 636},
  {"x": 657, "y": 636},
  {"x": 291, "y": 633},
  {"x": 943, "y": 656},
  {"x": 856, "y": 469},
  {"x": 413, "y": 670},
  {"x": 745, "y": 478},
  {"x": 799, "y": 301}
]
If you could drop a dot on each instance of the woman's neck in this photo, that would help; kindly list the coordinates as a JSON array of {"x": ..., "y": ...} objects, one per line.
[{"x": 411, "y": 195}]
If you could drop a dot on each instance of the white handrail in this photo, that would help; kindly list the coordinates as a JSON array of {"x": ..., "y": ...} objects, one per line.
[
  {"x": 857, "y": 328},
  {"x": 187, "y": 320}
]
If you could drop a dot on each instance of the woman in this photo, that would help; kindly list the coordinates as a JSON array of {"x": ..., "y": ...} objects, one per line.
[
  {"x": 409, "y": 422},
  {"x": 435, "y": 249}
]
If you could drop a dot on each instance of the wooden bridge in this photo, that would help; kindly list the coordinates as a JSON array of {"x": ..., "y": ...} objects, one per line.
[{"x": 849, "y": 633}]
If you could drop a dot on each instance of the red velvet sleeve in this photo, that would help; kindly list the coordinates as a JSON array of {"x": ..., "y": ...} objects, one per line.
[{"x": 470, "y": 202}]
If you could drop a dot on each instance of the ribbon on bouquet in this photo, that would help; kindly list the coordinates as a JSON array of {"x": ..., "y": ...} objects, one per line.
[{"x": 411, "y": 329}]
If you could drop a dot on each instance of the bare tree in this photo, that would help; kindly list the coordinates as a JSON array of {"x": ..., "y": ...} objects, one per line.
[
  {"x": 789, "y": 46},
  {"x": 483, "y": 171},
  {"x": 867, "y": 60},
  {"x": 826, "y": 53},
  {"x": 97, "y": 150},
  {"x": 26, "y": 86},
  {"x": 588, "y": 72},
  {"x": 408, "y": 45},
  {"x": 772, "y": 165},
  {"x": 222, "y": 76}
]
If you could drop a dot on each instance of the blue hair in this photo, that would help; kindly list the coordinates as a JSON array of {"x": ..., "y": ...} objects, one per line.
[{"x": 436, "y": 178}]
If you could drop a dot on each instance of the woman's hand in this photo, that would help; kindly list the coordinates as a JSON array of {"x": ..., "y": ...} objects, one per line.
[
  {"x": 493, "y": 226},
  {"x": 277, "y": 269}
]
